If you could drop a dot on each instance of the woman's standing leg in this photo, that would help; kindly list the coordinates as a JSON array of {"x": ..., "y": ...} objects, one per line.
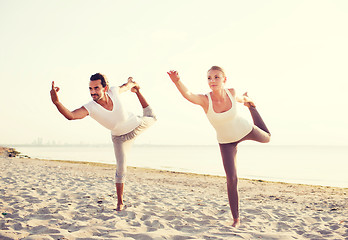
[{"x": 228, "y": 154}]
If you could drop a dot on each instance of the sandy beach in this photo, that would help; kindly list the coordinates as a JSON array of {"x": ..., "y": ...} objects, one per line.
[{"x": 43, "y": 199}]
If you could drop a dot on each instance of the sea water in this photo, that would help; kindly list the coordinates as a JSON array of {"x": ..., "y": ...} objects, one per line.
[{"x": 317, "y": 165}]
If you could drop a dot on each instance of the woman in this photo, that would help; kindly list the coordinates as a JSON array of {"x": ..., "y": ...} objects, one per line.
[{"x": 231, "y": 129}]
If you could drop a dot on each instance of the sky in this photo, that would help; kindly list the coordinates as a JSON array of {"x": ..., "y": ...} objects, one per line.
[{"x": 290, "y": 56}]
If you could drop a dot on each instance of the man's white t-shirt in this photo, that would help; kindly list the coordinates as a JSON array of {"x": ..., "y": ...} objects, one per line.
[{"x": 119, "y": 121}]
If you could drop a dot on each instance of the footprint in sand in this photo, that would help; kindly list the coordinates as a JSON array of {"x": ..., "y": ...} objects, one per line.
[
  {"x": 155, "y": 224},
  {"x": 252, "y": 211},
  {"x": 283, "y": 226},
  {"x": 145, "y": 217},
  {"x": 128, "y": 214}
]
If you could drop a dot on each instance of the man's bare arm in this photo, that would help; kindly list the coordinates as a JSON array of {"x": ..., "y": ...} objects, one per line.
[{"x": 76, "y": 114}]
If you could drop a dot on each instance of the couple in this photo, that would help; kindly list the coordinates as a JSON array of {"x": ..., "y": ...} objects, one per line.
[{"x": 219, "y": 106}]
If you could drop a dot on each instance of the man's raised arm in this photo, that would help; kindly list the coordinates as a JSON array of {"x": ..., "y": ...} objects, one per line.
[{"x": 76, "y": 114}]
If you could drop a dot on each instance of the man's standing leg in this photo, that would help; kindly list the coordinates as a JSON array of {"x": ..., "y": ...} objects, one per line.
[
  {"x": 122, "y": 145},
  {"x": 119, "y": 191},
  {"x": 121, "y": 149}
]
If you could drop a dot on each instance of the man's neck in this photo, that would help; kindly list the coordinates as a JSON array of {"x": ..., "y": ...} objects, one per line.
[{"x": 105, "y": 102}]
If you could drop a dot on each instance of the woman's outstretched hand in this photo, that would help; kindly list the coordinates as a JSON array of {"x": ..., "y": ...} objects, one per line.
[{"x": 174, "y": 76}]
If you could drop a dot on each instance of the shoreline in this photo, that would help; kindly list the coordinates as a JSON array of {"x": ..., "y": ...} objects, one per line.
[
  {"x": 113, "y": 166},
  {"x": 57, "y": 199},
  {"x": 315, "y": 180}
]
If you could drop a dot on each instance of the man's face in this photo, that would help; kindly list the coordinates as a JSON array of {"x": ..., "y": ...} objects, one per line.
[{"x": 97, "y": 90}]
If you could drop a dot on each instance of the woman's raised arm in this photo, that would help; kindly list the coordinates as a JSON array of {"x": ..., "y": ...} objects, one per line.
[{"x": 198, "y": 99}]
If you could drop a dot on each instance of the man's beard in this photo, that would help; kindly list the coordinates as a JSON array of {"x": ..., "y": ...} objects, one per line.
[{"x": 95, "y": 99}]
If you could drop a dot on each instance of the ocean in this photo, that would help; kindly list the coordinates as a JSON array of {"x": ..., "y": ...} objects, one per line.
[{"x": 315, "y": 165}]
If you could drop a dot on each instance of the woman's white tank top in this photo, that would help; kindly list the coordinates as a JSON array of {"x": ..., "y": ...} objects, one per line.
[{"x": 229, "y": 125}]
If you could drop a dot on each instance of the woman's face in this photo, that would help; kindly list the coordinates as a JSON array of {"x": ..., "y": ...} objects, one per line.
[{"x": 216, "y": 79}]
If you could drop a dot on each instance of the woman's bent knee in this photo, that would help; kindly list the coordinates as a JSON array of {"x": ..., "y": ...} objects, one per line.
[{"x": 267, "y": 138}]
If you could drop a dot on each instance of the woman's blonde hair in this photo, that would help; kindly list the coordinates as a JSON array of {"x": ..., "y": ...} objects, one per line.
[{"x": 219, "y": 69}]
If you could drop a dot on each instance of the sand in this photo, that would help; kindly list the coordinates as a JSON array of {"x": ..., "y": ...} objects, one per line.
[{"x": 42, "y": 199}]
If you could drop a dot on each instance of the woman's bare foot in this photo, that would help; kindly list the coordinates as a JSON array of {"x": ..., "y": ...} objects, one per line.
[
  {"x": 247, "y": 101},
  {"x": 236, "y": 223}
]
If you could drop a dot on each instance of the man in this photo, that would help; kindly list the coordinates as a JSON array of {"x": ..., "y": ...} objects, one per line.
[{"x": 107, "y": 109}]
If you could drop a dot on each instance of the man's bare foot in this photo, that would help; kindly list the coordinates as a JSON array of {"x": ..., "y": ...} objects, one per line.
[
  {"x": 236, "y": 223},
  {"x": 247, "y": 101},
  {"x": 119, "y": 207},
  {"x": 130, "y": 80}
]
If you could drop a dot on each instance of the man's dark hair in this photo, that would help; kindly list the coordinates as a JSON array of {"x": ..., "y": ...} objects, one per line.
[{"x": 101, "y": 77}]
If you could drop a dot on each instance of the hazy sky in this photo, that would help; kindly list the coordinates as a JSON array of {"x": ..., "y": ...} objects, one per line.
[{"x": 291, "y": 56}]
